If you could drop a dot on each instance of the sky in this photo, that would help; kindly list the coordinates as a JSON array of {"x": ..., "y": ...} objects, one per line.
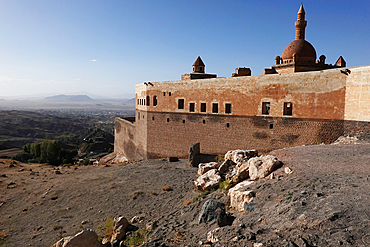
[{"x": 105, "y": 47}]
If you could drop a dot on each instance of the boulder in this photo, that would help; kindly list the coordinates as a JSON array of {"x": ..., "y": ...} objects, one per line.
[
  {"x": 112, "y": 158},
  {"x": 119, "y": 229},
  {"x": 225, "y": 166},
  {"x": 260, "y": 167},
  {"x": 240, "y": 194},
  {"x": 241, "y": 173},
  {"x": 221, "y": 217},
  {"x": 194, "y": 151},
  {"x": 208, "y": 180},
  {"x": 205, "y": 167},
  {"x": 237, "y": 156},
  {"x": 208, "y": 210},
  {"x": 82, "y": 239}
]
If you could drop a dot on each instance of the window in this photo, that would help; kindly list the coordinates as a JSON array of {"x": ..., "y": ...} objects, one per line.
[
  {"x": 168, "y": 120},
  {"x": 169, "y": 93},
  {"x": 143, "y": 101},
  {"x": 204, "y": 121},
  {"x": 138, "y": 115},
  {"x": 227, "y": 108},
  {"x": 203, "y": 107},
  {"x": 288, "y": 108},
  {"x": 155, "y": 100},
  {"x": 215, "y": 107},
  {"x": 183, "y": 121},
  {"x": 138, "y": 101},
  {"x": 153, "y": 118},
  {"x": 147, "y": 100},
  {"x": 266, "y": 108},
  {"x": 271, "y": 126},
  {"x": 181, "y": 104},
  {"x": 227, "y": 125},
  {"x": 164, "y": 93},
  {"x": 192, "y": 107}
]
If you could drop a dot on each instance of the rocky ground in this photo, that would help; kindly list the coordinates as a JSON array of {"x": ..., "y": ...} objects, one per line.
[{"x": 324, "y": 201}]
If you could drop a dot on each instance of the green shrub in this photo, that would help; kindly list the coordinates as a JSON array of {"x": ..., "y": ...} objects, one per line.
[{"x": 137, "y": 238}]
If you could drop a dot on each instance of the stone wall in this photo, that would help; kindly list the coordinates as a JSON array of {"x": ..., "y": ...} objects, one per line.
[
  {"x": 171, "y": 134},
  {"x": 130, "y": 139},
  {"x": 357, "y": 107}
]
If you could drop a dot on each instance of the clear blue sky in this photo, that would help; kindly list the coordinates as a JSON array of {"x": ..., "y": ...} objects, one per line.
[{"x": 105, "y": 47}]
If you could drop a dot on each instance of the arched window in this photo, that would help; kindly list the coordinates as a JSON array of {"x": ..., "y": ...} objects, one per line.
[
  {"x": 147, "y": 100},
  {"x": 155, "y": 100}
]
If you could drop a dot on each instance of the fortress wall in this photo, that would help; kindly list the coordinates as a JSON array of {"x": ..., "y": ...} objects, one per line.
[
  {"x": 314, "y": 95},
  {"x": 130, "y": 139},
  {"x": 357, "y": 106},
  {"x": 174, "y": 137}
]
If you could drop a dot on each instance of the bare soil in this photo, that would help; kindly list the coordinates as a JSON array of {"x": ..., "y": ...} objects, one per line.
[{"x": 325, "y": 201}]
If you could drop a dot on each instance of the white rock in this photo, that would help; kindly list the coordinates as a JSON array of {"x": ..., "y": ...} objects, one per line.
[
  {"x": 82, "y": 239},
  {"x": 287, "y": 170},
  {"x": 212, "y": 235},
  {"x": 238, "y": 156},
  {"x": 205, "y": 167},
  {"x": 257, "y": 244},
  {"x": 240, "y": 172},
  {"x": 239, "y": 195},
  {"x": 260, "y": 167},
  {"x": 208, "y": 180}
]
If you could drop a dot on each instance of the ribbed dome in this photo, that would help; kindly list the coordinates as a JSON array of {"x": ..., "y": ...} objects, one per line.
[{"x": 302, "y": 48}]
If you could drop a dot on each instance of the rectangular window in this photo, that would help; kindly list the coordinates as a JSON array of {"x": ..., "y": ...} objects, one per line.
[
  {"x": 203, "y": 107},
  {"x": 181, "y": 104},
  {"x": 215, "y": 107},
  {"x": 288, "y": 108},
  {"x": 192, "y": 107},
  {"x": 266, "y": 108},
  {"x": 227, "y": 108}
]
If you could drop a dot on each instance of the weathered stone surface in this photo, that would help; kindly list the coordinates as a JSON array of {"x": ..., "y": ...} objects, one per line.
[
  {"x": 119, "y": 231},
  {"x": 208, "y": 210},
  {"x": 212, "y": 235},
  {"x": 112, "y": 158},
  {"x": 194, "y": 150},
  {"x": 250, "y": 207},
  {"x": 226, "y": 166},
  {"x": 260, "y": 167},
  {"x": 221, "y": 217},
  {"x": 241, "y": 172},
  {"x": 238, "y": 156},
  {"x": 208, "y": 180},
  {"x": 82, "y": 239},
  {"x": 205, "y": 167},
  {"x": 239, "y": 195}
]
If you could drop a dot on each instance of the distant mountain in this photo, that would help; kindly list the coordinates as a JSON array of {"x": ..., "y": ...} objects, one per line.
[
  {"x": 69, "y": 98},
  {"x": 130, "y": 102}
]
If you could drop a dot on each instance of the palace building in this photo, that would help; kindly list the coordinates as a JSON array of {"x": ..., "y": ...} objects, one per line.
[{"x": 297, "y": 101}]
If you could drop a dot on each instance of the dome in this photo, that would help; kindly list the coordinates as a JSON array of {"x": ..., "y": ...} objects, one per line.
[{"x": 303, "y": 49}]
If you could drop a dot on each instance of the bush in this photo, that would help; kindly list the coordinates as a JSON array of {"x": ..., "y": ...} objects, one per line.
[{"x": 137, "y": 238}]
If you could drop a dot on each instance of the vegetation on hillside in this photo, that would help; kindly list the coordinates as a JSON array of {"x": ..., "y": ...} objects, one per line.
[{"x": 48, "y": 151}]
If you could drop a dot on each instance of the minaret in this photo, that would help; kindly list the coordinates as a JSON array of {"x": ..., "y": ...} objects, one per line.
[{"x": 300, "y": 24}]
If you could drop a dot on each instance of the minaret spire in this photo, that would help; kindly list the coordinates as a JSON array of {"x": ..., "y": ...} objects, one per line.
[{"x": 300, "y": 24}]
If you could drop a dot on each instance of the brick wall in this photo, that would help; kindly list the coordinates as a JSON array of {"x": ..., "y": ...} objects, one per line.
[{"x": 218, "y": 134}]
